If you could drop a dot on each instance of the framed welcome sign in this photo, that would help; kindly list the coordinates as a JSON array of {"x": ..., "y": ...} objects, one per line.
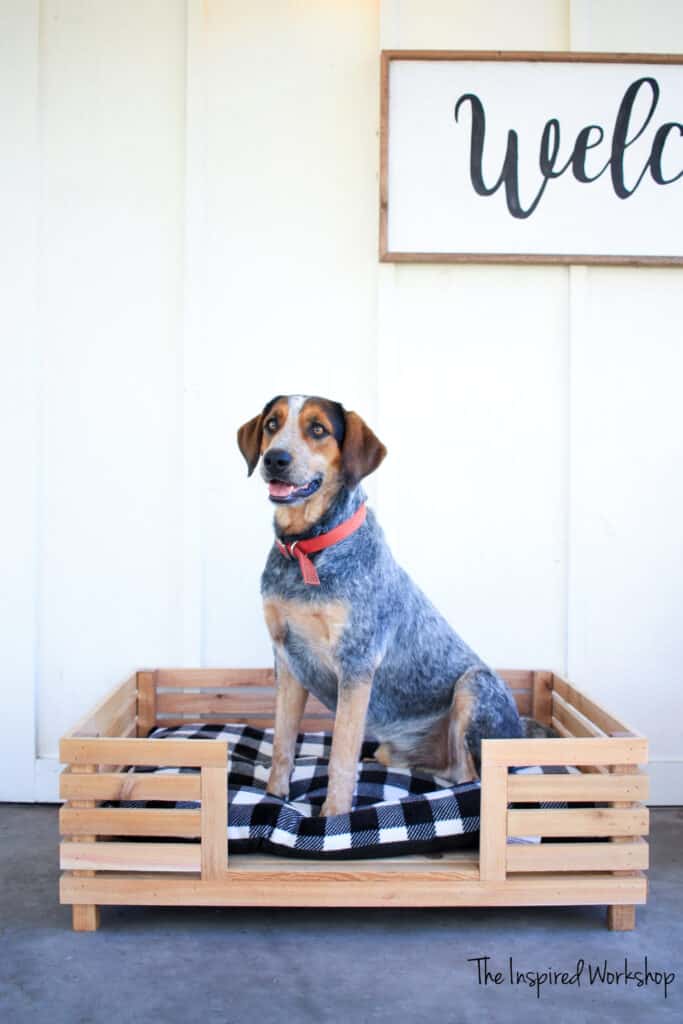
[{"x": 531, "y": 157}]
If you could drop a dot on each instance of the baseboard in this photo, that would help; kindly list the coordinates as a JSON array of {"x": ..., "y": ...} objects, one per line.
[{"x": 666, "y": 781}]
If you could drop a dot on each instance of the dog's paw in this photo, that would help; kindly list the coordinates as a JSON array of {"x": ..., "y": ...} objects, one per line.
[
  {"x": 331, "y": 807},
  {"x": 278, "y": 779},
  {"x": 279, "y": 790},
  {"x": 383, "y": 754}
]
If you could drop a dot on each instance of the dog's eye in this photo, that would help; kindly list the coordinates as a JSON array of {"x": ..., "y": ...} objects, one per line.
[
  {"x": 271, "y": 425},
  {"x": 318, "y": 430}
]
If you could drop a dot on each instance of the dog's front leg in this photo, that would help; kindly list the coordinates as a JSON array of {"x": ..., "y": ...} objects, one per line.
[
  {"x": 349, "y": 728},
  {"x": 289, "y": 709}
]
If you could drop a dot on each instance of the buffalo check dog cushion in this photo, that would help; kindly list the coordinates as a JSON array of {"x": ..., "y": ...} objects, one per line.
[{"x": 395, "y": 810}]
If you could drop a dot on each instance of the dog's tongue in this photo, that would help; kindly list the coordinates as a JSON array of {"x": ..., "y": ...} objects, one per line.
[{"x": 280, "y": 490}]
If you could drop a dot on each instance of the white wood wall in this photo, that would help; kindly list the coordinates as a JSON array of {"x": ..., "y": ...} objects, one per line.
[{"x": 189, "y": 211}]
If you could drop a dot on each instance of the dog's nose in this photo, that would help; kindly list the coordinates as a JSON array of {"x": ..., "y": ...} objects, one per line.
[{"x": 276, "y": 460}]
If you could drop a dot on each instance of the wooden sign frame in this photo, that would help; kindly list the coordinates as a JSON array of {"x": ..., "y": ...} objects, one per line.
[{"x": 388, "y": 256}]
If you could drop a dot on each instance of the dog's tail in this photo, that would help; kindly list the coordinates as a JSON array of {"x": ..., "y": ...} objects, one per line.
[{"x": 534, "y": 730}]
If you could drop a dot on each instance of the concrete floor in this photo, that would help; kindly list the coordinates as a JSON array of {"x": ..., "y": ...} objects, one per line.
[{"x": 233, "y": 966}]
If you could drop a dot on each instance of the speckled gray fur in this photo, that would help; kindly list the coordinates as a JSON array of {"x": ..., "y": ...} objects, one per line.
[{"x": 394, "y": 635}]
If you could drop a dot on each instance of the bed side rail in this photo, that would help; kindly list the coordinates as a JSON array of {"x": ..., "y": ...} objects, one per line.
[
  {"x": 604, "y": 838},
  {"x": 95, "y": 753}
]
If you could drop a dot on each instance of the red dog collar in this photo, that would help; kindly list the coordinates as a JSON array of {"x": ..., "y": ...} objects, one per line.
[{"x": 300, "y": 549}]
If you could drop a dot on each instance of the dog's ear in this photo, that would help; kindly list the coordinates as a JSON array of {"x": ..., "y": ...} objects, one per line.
[
  {"x": 362, "y": 452},
  {"x": 249, "y": 441}
]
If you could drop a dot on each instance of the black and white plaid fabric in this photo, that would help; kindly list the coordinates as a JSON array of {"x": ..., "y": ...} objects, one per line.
[{"x": 395, "y": 810}]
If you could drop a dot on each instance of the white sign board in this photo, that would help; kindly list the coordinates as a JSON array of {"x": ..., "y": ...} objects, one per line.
[{"x": 574, "y": 158}]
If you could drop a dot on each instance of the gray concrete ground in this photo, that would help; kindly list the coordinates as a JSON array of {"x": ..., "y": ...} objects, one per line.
[{"x": 233, "y": 966}]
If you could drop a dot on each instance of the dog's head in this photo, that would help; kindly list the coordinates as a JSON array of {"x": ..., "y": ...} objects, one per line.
[{"x": 310, "y": 447}]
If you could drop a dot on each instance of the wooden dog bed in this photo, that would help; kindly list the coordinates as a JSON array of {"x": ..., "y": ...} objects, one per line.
[{"x": 603, "y": 864}]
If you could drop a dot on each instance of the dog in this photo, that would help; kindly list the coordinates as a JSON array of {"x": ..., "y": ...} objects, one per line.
[{"x": 346, "y": 621}]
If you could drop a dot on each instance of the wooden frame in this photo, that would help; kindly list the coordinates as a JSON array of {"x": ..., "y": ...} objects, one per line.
[
  {"x": 604, "y": 865},
  {"x": 569, "y": 57}
]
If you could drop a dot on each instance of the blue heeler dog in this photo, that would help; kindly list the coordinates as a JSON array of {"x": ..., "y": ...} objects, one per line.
[{"x": 347, "y": 623}]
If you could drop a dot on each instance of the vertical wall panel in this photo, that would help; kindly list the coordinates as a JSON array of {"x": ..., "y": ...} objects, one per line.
[
  {"x": 111, "y": 284},
  {"x": 468, "y": 25},
  {"x": 626, "y": 568},
  {"x": 626, "y": 26},
  {"x": 472, "y": 392},
  {"x": 627, "y": 497},
  {"x": 473, "y": 410},
  {"x": 193, "y": 368},
  {"x": 19, "y": 392},
  {"x": 292, "y": 158}
]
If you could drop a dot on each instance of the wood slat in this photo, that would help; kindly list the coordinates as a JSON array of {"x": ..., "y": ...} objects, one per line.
[
  {"x": 147, "y": 698},
  {"x": 111, "y": 856},
  {"x": 141, "y": 786},
  {"x": 593, "y": 751},
  {"x": 214, "y": 822},
  {"x": 517, "y": 678},
  {"x": 461, "y": 863},
  {"x": 95, "y": 721},
  {"x": 520, "y": 787},
  {"x": 359, "y": 887},
  {"x": 559, "y": 724},
  {"x": 254, "y": 701},
  {"x": 115, "y": 856},
  {"x": 523, "y": 700},
  {"x": 493, "y": 823},
  {"x": 244, "y": 701},
  {"x": 317, "y": 723},
  {"x": 620, "y": 918},
  {"x": 123, "y": 723},
  {"x": 561, "y": 730},
  {"x": 632, "y": 854},
  {"x": 601, "y": 821},
  {"x": 128, "y": 821},
  {"x": 593, "y": 788},
  {"x": 541, "y": 697},
  {"x": 591, "y": 709},
  {"x": 322, "y": 723},
  {"x": 136, "y": 751},
  {"x": 214, "y": 677},
  {"x": 85, "y": 917},
  {"x": 572, "y": 720},
  {"x": 564, "y": 733}
]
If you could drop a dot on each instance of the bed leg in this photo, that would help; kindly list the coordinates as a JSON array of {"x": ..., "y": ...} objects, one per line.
[
  {"x": 85, "y": 917},
  {"x": 621, "y": 917}
]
